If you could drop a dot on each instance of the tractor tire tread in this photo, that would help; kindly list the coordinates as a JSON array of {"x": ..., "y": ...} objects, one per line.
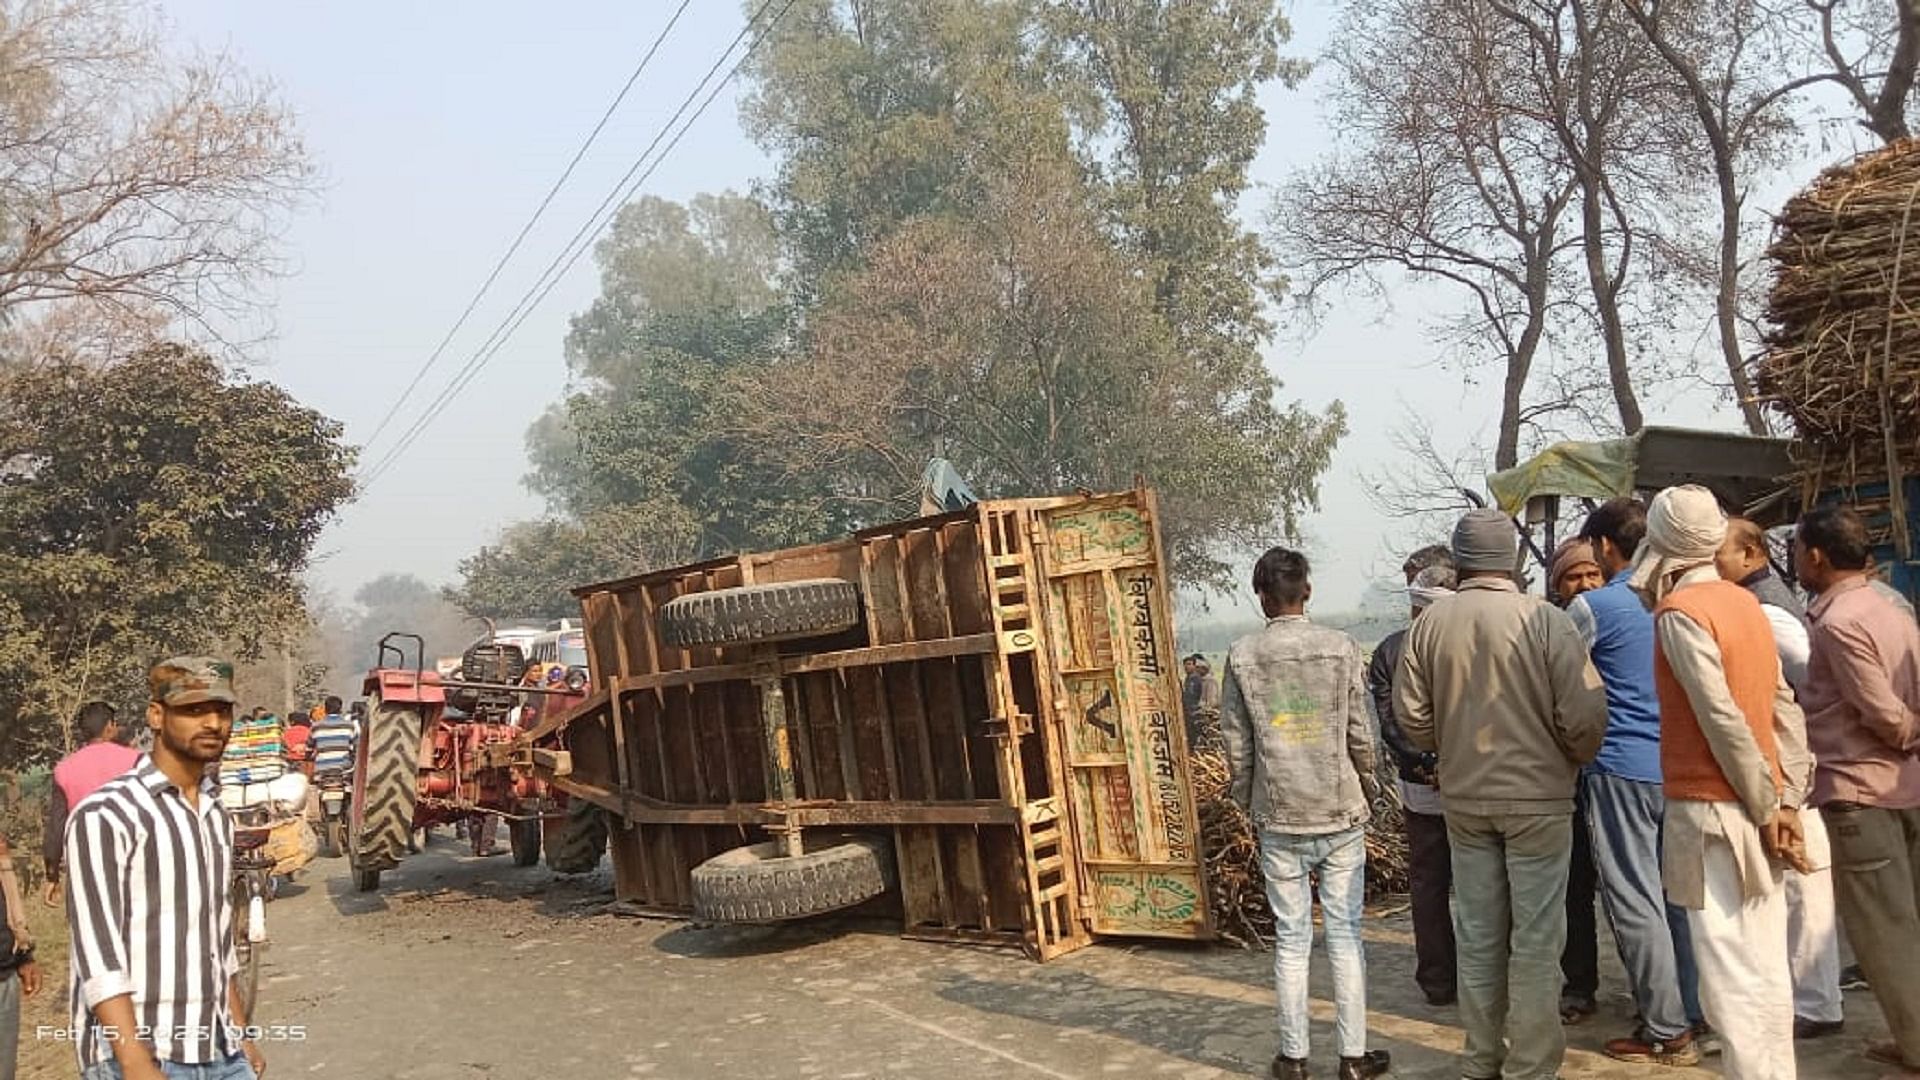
[
  {"x": 576, "y": 848},
  {"x": 753, "y": 614},
  {"x": 755, "y": 884},
  {"x": 393, "y": 756}
]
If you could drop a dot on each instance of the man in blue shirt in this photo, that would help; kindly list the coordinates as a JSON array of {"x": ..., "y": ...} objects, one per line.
[{"x": 1621, "y": 794}]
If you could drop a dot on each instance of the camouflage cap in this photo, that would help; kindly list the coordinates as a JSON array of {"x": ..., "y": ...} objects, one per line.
[{"x": 190, "y": 680}]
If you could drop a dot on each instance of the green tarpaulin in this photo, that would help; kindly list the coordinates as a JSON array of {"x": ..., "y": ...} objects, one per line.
[{"x": 1591, "y": 470}]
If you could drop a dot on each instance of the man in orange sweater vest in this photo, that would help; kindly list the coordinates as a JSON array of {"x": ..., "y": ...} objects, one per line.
[{"x": 1733, "y": 754}]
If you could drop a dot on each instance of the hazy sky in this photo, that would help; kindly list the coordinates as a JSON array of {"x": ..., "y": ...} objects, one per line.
[{"x": 439, "y": 127}]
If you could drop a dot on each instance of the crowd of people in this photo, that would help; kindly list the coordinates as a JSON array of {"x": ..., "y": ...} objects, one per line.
[{"x": 1731, "y": 774}]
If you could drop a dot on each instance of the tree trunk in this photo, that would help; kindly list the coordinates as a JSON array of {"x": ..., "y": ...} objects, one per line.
[
  {"x": 1606, "y": 302},
  {"x": 1726, "y": 301}
]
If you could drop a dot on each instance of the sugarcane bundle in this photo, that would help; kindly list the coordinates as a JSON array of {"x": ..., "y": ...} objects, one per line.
[
  {"x": 1238, "y": 890},
  {"x": 1842, "y": 357}
]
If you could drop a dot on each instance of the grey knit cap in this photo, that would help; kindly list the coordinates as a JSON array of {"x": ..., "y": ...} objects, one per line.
[{"x": 1483, "y": 540}]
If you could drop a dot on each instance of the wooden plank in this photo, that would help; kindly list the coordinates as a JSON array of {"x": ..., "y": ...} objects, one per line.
[
  {"x": 826, "y": 777},
  {"x": 906, "y": 652},
  {"x": 649, "y": 619},
  {"x": 924, "y": 568},
  {"x": 745, "y": 757},
  {"x": 879, "y": 767},
  {"x": 686, "y": 782},
  {"x": 966, "y": 582},
  {"x": 946, "y": 727},
  {"x": 709, "y": 743},
  {"x": 800, "y": 738},
  {"x": 836, "y": 686},
  {"x": 923, "y": 890},
  {"x": 968, "y": 645},
  {"x": 974, "y": 677},
  {"x": 965, "y": 876},
  {"x": 907, "y": 714},
  {"x": 880, "y": 587},
  {"x": 1000, "y": 861}
]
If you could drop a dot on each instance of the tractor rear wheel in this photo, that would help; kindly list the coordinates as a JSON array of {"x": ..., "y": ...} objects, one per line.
[
  {"x": 757, "y": 884},
  {"x": 386, "y": 784},
  {"x": 523, "y": 839},
  {"x": 576, "y": 846},
  {"x": 756, "y": 614}
]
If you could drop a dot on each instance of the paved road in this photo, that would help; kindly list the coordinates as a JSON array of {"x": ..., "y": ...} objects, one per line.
[{"x": 471, "y": 968}]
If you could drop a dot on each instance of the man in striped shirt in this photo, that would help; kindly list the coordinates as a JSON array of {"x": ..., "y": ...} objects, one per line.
[{"x": 150, "y": 858}]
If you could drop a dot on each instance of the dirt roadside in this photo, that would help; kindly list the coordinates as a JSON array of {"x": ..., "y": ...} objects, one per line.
[{"x": 463, "y": 968}]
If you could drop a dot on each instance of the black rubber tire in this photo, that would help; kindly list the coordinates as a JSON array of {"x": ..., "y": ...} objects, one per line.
[
  {"x": 523, "y": 839},
  {"x": 754, "y": 614},
  {"x": 382, "y": 812},
  {"x": 333, "y": 839},
  {"x": 245, "y": 951},
  {"x": 757, "y": 885},
  {"x": 366, "y": 880},
  {"x": 577, "y": 846}
]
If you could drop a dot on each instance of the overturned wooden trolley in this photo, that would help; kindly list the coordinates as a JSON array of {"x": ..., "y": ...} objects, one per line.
[{"x": 981, "y": 708}]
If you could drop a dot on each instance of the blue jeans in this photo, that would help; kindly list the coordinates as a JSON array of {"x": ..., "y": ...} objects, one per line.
[
  {"x": 234, "y": 1068},
  {"x": 1656, "y": 946},
  {"x": 1286, "y": 859}
]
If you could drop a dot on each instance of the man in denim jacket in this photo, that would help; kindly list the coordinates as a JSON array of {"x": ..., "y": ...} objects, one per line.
[{"x": 1300, "y": 751}]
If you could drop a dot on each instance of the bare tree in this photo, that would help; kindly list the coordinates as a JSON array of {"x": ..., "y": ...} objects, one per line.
[
  {"x": 1446, "y": 178},
  {"x": 133, "y": 183},
  {"x": 1726, "y": 55},
  {"x": 1614, "y": 107},
  {"x": 1873, "y": 47}
]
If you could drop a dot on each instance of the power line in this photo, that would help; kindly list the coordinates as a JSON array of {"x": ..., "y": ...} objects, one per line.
[
  {"x": 474, "y": 303},
  {"x": 575, "y": 248}
]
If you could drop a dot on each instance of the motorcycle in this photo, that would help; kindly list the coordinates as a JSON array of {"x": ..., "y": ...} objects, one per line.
[{"x": 333, "y": 786}]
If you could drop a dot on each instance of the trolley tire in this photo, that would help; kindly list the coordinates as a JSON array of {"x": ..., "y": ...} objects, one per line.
[
  {"x": 756, "y": 884},
  {"x": 577, "y": 845},
  {"x": 754, "y": 614},
  {"x": 523, "y": 839},
  {"x": 382, "y": 811}
]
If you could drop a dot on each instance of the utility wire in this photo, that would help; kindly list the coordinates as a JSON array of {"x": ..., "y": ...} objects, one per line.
[
  {"x": 622, "y": 192},
  {"x": 528, "y": 227}
]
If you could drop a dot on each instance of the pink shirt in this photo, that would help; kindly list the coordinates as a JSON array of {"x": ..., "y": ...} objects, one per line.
[
  {"x": 82, "y": 772},
  {"x": 1862, "y": 698}
]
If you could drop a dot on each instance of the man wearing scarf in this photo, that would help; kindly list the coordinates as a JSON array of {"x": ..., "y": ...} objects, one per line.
[{"x": 1732, "y": 755}]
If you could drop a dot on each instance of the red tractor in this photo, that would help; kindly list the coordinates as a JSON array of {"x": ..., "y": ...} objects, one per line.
[{"x": 423, "y": 758}]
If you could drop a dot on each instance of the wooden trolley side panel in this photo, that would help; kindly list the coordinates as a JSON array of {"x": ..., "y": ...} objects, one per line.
[{"x": 1116, "y": 687}]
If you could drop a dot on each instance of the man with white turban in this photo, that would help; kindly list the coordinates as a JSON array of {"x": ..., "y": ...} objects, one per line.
[{"x": 1732, "y": 755}]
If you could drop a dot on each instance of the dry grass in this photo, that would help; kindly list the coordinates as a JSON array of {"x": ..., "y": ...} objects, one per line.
[
  {"x": 1842, "y": 355},
  {"x": 1237, "y": 889}
]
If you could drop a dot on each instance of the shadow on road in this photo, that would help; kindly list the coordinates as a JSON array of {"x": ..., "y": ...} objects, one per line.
[
  {"x": 446, "y": 874},
  {"x": 700, "y": 940}
]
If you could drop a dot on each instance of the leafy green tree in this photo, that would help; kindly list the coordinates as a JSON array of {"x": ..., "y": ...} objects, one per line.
[
  {"x": 1022, "y": 346},
  {"x": 1175, "y": 127},
  {"x": 154, "y": 506},
  {"x": 688, "y": 303},
  {"x": 535, "y": 566}
]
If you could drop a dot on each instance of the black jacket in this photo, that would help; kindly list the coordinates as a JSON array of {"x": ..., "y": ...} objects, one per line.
[{"x": 1414, "y": 765}]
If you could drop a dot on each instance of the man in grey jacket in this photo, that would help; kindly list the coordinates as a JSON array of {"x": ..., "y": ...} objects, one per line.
[
  {"x": 1499, "y": 685},
  {"x": 1300, "y": 753}
]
